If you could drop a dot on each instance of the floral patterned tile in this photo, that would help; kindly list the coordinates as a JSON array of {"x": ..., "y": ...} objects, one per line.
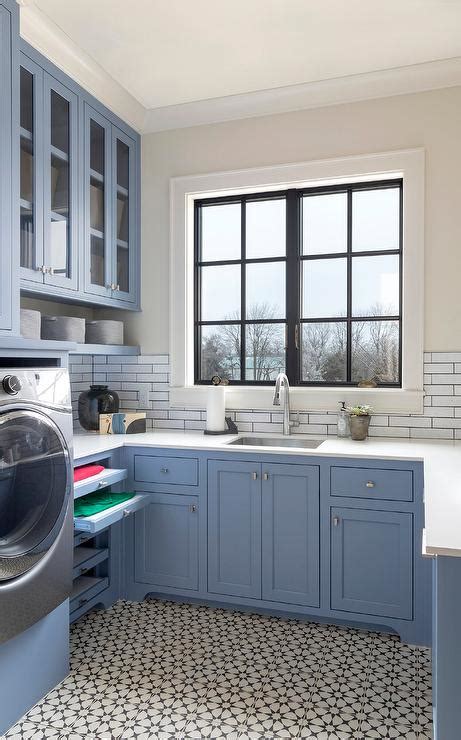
[{"x": 162, "y": 670}]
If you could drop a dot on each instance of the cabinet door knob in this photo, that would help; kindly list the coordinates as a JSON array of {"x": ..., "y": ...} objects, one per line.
[
  {"x": 103, "y": 484},
  {"x": 370, "y": 484},
  {"x": 335, "y": 521},
  {"x": 265, "y": 476},
  {"x": 193, "y": 508},
  {"x": 126, "y": 512},
  {"x": 164, "y": 470},
  {"x": 254, "y": 476}
]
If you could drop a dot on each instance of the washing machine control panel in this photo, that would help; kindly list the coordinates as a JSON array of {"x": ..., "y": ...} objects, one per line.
[{"x": 11, "y": 384}]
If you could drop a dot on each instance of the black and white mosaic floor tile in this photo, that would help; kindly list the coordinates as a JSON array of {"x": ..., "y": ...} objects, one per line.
[{"x": 162, "y": 671}]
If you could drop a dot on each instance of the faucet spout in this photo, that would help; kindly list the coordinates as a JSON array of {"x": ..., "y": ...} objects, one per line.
[{"x": 282, "y": 383}]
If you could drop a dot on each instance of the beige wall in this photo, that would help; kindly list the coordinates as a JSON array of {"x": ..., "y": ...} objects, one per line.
[{"x": 430, "y": 120}]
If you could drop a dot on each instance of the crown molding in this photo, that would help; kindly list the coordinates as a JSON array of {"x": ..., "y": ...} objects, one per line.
[
  {"x": 52, "y": 42},
  {"x": 45, "y": 36},
  {"x": 352, "y": 88}
]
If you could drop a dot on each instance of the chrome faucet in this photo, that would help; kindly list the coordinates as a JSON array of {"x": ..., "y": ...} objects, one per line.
[{"x": 282, "y": 382}]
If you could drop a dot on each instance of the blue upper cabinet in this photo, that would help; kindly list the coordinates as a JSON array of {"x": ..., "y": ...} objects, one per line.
[
  {"x": 109, "y": 210},
  {"x": 9, "y": 193},
  {"x": 79, "y": 221},
  {"x": 48, "y": 180}
]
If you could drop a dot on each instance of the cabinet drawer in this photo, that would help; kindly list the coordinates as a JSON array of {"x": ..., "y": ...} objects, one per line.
[
  {"x": 106, "y": 478},
  {"x": 370, "y": 483},
  {"x": 176, "y": 471},
  {"x": 97, "y": 522}
]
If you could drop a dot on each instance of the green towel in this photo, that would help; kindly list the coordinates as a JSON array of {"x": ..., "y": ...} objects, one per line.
[{"x": 95, "y": 502}]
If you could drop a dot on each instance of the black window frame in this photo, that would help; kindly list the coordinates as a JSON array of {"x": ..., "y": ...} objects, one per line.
[{"x": 293, "y": 260}]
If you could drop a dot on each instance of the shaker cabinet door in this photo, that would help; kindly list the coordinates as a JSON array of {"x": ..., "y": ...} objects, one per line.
[
  {"x": 290, "y": 534},
  {"x": 372, "y": 562},
  {"x": 234, "y": 529},
  {"x": 166, "y": 542}
]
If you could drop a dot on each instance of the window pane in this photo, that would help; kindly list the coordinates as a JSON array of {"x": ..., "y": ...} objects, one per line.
[
  {"x": 221, "y": 235},
  {"x": 375, "y": 286},
  {"x": 264, "y": 351},
  {"x": 375, "y": 351},
  {"x": 324, "y": 288},
  {"x": 220, "y": 352},
  {"x": 266, "y": 229},
  {"x": 265, "y": 290},
  {"x": 375, "y": 219},
  {"x": 220, "y": 293},
  {"x": 323, "y": 352},
  {"x": 325, "y": 223}
]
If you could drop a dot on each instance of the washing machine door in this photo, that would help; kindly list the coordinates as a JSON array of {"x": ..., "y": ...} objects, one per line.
[{"x": 35, "y": 487}]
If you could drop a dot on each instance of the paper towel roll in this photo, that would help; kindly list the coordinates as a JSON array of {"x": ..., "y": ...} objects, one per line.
[{"x": 216, "y": 408}]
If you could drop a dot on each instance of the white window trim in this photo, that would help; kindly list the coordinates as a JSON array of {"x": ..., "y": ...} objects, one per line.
[{"x": 408, "y": 164}]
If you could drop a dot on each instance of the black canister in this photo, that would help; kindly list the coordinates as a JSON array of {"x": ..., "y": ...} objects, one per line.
[{"x": 99, "y": 399}]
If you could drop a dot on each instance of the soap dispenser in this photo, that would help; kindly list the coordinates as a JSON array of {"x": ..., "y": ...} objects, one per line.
[{"x": 343, "y": 421}]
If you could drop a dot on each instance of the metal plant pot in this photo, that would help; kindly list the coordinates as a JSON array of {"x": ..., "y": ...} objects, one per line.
[{"x": 359, "y": 426}]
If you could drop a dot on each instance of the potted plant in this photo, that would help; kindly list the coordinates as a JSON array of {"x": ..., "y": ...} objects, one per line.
[{"x": 359, "y": 418}]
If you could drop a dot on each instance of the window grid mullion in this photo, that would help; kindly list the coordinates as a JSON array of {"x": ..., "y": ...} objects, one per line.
[
  {"x": 243, "y": 291},
  {"x": 349, "y": 289}
]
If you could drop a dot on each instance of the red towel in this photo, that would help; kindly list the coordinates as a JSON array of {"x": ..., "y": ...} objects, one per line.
[{"x": 87, "y": 471}]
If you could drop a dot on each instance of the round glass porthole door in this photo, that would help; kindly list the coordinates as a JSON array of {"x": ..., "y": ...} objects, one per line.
[{"x": 34, "y": 489}]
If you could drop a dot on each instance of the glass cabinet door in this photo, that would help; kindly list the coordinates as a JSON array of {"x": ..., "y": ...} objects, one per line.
[
  {"x": 124, "y": 226},
  {"x": 60, "y": 184},
  {"x": 31, "y": 172},
  {"x": 97, "y": 203}
]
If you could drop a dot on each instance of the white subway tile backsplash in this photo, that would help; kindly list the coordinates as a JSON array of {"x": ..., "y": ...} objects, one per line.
[
  {"x": 446, "y": 356},
  {"x": 438, "y": 390},
  {"x": 438, "y": 367},
  {"x": 406, "y": 421},
  {"x": 389, "y": 432},
  {"x": 127, "y": 375},
  {"x": 431, "y": 433}
]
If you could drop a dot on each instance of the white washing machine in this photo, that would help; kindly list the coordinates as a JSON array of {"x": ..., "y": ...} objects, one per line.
[{"x": 36, "y": 507}]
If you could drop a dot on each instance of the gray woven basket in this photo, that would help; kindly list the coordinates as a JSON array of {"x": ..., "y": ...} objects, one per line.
[
  {"x": 104, "y": 332},
  {"x": 63, "y": 328},
  {"x": 30, "y": 323}
]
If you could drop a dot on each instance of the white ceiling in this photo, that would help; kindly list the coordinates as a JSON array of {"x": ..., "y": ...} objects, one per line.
[{"x": 170, "y": 52}]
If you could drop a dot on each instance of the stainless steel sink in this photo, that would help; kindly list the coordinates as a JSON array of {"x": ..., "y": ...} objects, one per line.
[{"x": 277, "y": 442}]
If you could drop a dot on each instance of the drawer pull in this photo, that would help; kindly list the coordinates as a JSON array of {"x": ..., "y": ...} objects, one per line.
[
  {"x": 164, "y": 470},
  {"x": 126, "y": 512},
  {"x": 82, "y": 601},
  {"x": 103, "y": 484},
  {"x": 370, "y": 484}
]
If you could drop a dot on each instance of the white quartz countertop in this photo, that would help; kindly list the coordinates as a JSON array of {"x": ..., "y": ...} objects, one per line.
[{"x": 442, "y": 468}]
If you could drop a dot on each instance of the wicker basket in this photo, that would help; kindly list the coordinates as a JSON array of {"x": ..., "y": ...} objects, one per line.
[
  {"x": 63, "y": 328},
  {"x": 104, "y": 332},
  {"x": 30, "y": 323}
]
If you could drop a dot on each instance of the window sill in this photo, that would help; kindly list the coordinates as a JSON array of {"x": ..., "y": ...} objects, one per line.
[{"x": 383, "y": 400}]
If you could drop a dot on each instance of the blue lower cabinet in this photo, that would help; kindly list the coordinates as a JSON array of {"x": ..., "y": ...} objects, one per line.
[
  {"x": 290, "y": 534},
  {"x": 166, "y": 541},
  {"x": 372, "y": 562},
  {"x": 234, "y": 528}
]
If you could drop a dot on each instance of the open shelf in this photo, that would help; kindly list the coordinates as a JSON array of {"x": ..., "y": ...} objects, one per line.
[
  {"x": 59, "y": 154},
  {"x": 105, "y": 349}
]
